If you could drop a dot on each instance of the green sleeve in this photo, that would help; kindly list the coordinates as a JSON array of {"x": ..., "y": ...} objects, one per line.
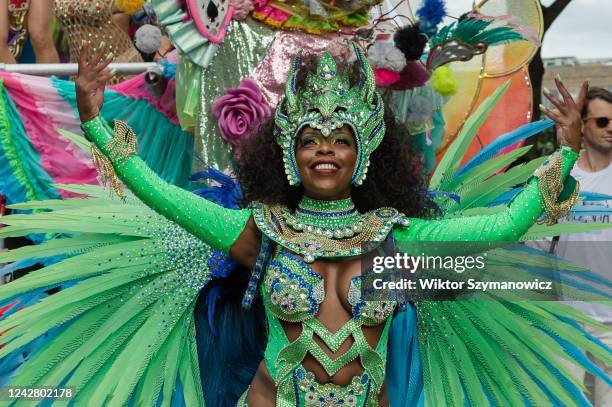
[
  {"x": 217, "y": 226},
  {"x": 507, "y": 225}
]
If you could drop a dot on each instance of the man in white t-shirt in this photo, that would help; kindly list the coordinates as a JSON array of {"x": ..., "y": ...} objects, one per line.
[{"x": 594, "y": 249}]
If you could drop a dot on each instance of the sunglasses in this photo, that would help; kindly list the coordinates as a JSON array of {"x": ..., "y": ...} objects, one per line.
[{"x": 601, "y": 122}]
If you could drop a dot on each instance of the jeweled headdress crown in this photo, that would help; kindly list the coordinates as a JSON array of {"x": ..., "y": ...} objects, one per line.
[{"x": 328, "y": 102}]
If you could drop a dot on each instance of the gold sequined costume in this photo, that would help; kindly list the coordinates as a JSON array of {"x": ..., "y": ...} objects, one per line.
[{"x": 91, "y": 20}]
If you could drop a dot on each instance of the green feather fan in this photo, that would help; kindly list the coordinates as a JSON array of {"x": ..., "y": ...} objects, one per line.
[
  {"x": 124, "y": 320},
  {"x": 489, "y": 345}
]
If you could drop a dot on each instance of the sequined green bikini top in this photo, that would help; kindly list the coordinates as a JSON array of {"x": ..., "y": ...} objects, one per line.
[{"x": 292, "y": 291}]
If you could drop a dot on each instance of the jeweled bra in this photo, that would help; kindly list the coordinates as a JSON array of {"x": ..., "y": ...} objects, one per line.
[{"x": 293, "y": 292}]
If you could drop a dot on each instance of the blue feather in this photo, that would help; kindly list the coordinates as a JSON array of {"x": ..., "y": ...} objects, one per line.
[
  {"x": 504, "y": 141},
  {"x": 229, "y": 360},
  {"x": 588, "y": 276},
  {"x": 430, "y": 14},
  {"x": 594, "y": 196},
  {"x": 169, "y": 69},
  {"x": 228, "y": 337},
  {"x": 11, "y": 362},
  {"x": 211, "y": 300},
  {"x": 580, "y": 357},
  {"x": 590, "y": 210},
  {"x": 228, "y": 194},
  {"x": 575, "y": 391},
  {"x": 505, "y": 197},
  {"x": 590, "y": 337},
  {"x": 18, "y": 265}
]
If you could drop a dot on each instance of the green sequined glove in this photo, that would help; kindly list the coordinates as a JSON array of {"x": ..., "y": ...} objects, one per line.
[
  {"x": 508, "y": 225},
  {"x": 217, "y": 226}
]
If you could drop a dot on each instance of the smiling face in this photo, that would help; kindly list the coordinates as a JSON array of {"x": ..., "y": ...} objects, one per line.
[{"x": 326, "y": 164}]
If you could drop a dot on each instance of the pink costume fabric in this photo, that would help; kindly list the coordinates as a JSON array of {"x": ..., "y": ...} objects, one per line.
[
  {"x": 43, "y": 111},
  {"x": 271, "y": 73}
]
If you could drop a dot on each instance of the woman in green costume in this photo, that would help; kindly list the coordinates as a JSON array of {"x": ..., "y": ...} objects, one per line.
[
  {"x": 318, "y": 343},
  {"x": 325, "y": 345}
]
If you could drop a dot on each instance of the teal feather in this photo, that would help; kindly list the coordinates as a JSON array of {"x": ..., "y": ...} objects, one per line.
[
  {"x": 471, "y": 31},
  {"x": 504, "y": 141}
]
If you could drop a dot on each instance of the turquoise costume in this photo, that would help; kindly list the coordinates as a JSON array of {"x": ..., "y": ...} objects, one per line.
[{"x": 131, "y": 278}]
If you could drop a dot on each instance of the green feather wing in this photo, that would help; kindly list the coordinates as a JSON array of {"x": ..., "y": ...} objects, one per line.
[
  {"x": 122, "y": 327},
  {"x": 489, "y": 348}
]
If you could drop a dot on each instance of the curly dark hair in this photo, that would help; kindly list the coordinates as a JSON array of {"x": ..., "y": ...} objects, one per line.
[{"x": 395, "y": 177}]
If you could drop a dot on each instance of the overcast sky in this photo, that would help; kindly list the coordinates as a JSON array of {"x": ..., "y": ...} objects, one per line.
[{"x": 583, "y": 30}]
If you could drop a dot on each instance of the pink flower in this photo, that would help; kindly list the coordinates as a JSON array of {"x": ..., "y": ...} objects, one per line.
[
  {"x": 242, "y": 8},
  {"x": 240, "y": 111}
]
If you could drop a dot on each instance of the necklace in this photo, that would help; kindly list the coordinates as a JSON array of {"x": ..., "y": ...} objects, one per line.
[
  {"x": 326, "y": 229},
  {"x": 331, "y": 219}
]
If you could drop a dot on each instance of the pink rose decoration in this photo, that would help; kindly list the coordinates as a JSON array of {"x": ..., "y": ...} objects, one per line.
[
  {"x": 240, "y": 111},
  {"x": 242, "y": 8}
]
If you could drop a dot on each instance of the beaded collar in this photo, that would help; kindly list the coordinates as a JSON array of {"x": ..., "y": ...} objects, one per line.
[
  {"x": 326, "y": 229},
  {"x": 332, "y": 219}
]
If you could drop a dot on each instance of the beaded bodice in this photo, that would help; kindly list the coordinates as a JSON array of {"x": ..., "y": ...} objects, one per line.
[
  {"x": 91, "y": 20},
  {"x": 293, "y": 292}
]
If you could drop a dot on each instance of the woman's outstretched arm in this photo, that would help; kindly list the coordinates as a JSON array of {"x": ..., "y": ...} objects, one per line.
[
  {"x": 508, "y": 225},
  {"x": 219, "y": 227},
  {"x": 525, "y": 208}
]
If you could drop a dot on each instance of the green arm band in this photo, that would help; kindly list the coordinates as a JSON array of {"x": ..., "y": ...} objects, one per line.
[
  {"x": 217, "y": 226},
  {"x": 508, "y": 225}
]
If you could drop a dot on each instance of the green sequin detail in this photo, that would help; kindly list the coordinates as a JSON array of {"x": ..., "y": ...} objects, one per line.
[
  {"x": 328, "y": 102},
  {"x": 277, "y": 222},
  {"x": 331, "y": 219}
]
